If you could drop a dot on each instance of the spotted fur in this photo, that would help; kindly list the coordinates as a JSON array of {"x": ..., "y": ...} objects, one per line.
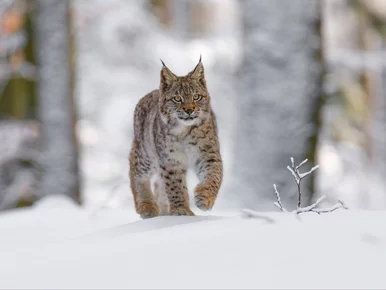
[{"x": 174, "y": 129}]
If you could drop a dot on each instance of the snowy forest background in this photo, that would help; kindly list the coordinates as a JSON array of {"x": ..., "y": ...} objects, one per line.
[{"x": 288, "y": 78}]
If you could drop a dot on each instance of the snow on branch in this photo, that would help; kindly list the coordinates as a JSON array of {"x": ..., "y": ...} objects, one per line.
[
  {"x": 298, "y": 177},
  {"x": 278, "y": 203}
]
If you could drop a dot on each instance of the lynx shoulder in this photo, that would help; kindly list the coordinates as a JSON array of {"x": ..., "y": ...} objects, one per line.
[{"x": 175, "y": 129}]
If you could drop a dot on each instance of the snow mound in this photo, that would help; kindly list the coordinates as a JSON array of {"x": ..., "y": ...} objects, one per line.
[
  {"x": 343, "y": 249},
  {"x": 55, "y": 202}
]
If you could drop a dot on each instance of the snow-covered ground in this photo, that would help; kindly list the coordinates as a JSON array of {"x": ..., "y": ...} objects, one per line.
[{"x": 58, "y": 245}]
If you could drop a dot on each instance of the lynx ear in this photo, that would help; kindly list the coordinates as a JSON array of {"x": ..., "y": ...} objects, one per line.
[
  {"x": 167, "y": 77},
  {"x": 198, "y": 73}
]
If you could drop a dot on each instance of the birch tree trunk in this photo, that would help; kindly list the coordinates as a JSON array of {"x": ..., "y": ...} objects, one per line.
[
  {"x": 55, "y": 99},
  {"x": 280, "y": 82}
]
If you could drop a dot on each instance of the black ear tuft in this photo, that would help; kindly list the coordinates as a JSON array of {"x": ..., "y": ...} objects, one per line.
[
  {"x": 198, "y": 73},
  {"x": 167, "y": 77}
]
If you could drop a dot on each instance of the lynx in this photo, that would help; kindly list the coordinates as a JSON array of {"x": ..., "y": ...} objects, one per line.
[{"x": 175, "y": 129}]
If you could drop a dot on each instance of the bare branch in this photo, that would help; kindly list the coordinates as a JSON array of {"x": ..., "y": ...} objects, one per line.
[
  {"x": 305, "y": 174},
  {"x": 312, "y": 206},
  {"x": 343, "y": 204},
  {"x": 278, "y": 203},
  {"x": 294, "y": 174},
  {"x": 298, "y": 178},
  {"x": 301, "y": 164},
  {"x": 340, "y": 204}
]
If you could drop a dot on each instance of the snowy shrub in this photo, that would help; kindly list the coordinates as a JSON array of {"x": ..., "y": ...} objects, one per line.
[{"x": 298, "y": 177}]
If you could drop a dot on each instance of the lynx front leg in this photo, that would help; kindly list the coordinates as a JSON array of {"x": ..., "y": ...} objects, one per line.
[
  {"x": 145, "y": 203},
  {"x": 161, "y": 197},
  {"x": 209, "y": 170},
  {"x": 176, "y": 190}
]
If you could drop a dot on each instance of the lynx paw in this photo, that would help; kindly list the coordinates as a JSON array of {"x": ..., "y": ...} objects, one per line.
[
  {"x": 204, "y": 199},
  {"x": 181, "y": 211},
  {"x": 147, "y": 210}
]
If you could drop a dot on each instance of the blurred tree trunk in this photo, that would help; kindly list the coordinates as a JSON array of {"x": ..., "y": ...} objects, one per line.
[
  {"x": 181, "y": 18},
  {"x": 15, "y": 40},
  {"x": 279, "y": 99},
  {"x": 382, "y": 125},
  {"x": 380, "y": 128},
  {"x": 30, "y": 57},
  {"x": 371, "y": 35},
  {"x": 55, "y": 99}
]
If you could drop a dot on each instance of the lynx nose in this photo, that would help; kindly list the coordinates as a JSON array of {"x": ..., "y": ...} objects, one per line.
[{"x": 189, "y": 111}]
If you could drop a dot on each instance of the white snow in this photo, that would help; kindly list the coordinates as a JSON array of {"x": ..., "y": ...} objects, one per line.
[{"x": 58, "y": 245}]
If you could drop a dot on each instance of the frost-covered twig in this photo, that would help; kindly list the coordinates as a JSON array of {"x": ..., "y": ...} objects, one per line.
[
  {"x": 312, "y": 206},
  {"x": 340, "y": 204},
  {"x": 300, "y": 165},
  {"x": 278, "y": 203},
  {"x": 302, "y": 175},
  {"x": 298, "y": 178}
]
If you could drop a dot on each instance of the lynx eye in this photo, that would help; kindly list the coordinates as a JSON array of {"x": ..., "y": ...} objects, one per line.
[
  {"x": 177, "y": 99},
  {"x": 197, "y": 98}
]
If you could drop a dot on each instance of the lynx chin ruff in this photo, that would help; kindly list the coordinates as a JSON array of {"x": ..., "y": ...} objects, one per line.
[{"x": 174, "y": 129}]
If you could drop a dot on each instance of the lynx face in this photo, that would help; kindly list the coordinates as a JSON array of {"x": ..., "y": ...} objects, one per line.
[{"x": 184, "y": 99}]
